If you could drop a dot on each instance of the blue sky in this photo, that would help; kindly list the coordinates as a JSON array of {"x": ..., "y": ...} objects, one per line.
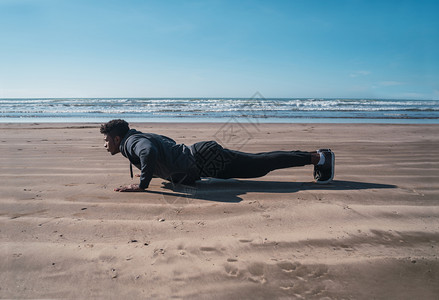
[{"x": 133, "y": 48}]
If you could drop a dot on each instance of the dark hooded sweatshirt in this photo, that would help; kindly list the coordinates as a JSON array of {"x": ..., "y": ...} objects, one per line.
[{"x": 159, "y": 156}]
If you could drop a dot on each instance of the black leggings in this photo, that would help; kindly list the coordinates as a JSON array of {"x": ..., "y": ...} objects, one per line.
[{"x": 215, "y": 161}]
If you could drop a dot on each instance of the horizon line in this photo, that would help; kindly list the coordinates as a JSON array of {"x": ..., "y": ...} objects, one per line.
[{"x": 216, "y": 97}]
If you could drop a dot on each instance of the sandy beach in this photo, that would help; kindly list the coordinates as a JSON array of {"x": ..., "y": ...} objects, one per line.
[{"x": 371, "y": 234}]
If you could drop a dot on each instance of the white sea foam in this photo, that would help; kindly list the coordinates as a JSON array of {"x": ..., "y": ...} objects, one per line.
[{"x": 217, "y": 108}]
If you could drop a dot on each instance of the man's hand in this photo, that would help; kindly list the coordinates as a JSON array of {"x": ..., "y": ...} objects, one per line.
[{"x": 129, "y": 188}]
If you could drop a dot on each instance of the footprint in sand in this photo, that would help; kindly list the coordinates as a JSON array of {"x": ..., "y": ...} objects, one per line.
[
  {"x": 257, "y": 273},
  {"x": 320, "y": 271},
  {"x": 287, "y": 287},
  {"x": 256, "y": 269},
  {"x": 257, "y": 279},
  {"x": 287, "y": 266},
  {"x": 245, "y": 241},
  {"x": 232, "y": 271},
  {"x": 208, "y": 249}
]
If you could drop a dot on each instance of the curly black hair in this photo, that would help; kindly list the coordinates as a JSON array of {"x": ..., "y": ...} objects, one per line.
[{"x": 115, "y": 128}]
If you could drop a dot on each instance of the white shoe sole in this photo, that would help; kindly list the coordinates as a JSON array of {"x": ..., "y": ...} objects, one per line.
[{"x": 332, "y": 170}]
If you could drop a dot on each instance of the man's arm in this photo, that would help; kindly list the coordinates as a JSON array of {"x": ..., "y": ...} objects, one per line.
[
  {"x": 148, "y": 160},
  {"x": 147, "y": 155}
]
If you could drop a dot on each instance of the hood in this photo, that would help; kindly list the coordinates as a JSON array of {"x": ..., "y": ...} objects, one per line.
[{"x": 123, "y": 142}]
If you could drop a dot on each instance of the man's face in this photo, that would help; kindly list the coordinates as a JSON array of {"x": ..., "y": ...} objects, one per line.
[{"x": 112, "y": 144}]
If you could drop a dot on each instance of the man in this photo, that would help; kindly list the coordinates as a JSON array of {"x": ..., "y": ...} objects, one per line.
[{"x": 159, "y": 156}]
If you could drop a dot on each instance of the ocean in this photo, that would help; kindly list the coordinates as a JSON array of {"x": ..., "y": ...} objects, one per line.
[{"x": 264, "y": 110}]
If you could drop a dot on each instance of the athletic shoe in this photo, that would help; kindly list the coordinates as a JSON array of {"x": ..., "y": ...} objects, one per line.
[{"x": 325, "y": 173}]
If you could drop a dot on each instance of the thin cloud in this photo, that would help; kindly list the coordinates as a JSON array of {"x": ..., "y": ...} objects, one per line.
[{"x": 360, "y": 73}]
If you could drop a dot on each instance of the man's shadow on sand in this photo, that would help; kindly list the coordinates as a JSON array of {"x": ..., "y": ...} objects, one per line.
[{"x": 229, "y": 190}]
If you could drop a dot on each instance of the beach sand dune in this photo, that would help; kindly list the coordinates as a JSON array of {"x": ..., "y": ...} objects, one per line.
[{"x": 371, "y": 234}]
